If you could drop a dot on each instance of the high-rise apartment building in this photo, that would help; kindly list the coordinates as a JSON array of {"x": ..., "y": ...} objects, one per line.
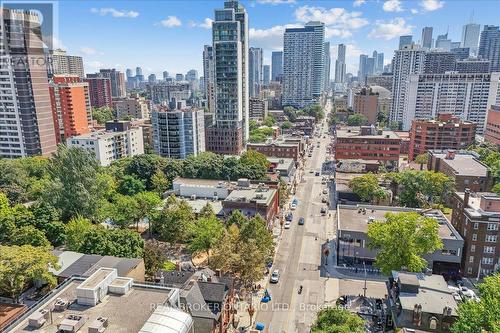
[
  {"x": 467, "y": 96},
  {"x": 489, "y": 46},
  {"x": 26, "y": 122},
  {"x": 266, "y": 75},
  {"x": 438, "y": 62},
  {"x": 461, "y": 53},
  {"x": 138, "y": 74},
  {"x": 117, "y": 80},
  {"x": 62, "y": 63},
  {"x": 70, "y": 101},
  {"x": 408, "y": 60},
  {"x": 472, "y": 65},
  {"x": 209, "y": 76},
  {"x": 99, "y": 90},
  {"x": 255, "y": 70},
  {"x": 363, "y": 58},
  {"x": 443, "y": 42},
  {"x": 326, "y": 64},
  {"x": 129, "y": 75},
  {"x": 366, "y": 104},
  {"x": 340, "y": 66},
  {"x": 470, "y": 37},
  {"x": 427, "y": 37},
  {"x": 303, "y": 66},
  {"x": 406, "y": 40},
  {"x": 178, "y": 133},
  {"x": 135, "y": 106},
  {"x": 230, "y": 131},
  {"x": 277, "y": 65},
  {"x": 379, "y": 61}
]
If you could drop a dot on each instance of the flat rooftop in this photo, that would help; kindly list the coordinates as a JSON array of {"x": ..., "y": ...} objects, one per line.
[
  {"x": 464, "y": 164},
  {"x": 433, "y": 294},
  {"x": 357, "y": 218},
  {"x": 126, "y": 313},
  {"x": 198, "y": 204},
  {"x": 474, "y": 208},
  {"x": 355, "y": 132},
  {"x": 258, "y": 195},
  {"x": 200, "y": 182}
]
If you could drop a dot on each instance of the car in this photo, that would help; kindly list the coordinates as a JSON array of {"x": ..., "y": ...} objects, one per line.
[
  {"x": 275, "y": 276},
  {"x": 293, "y": 206},
  {"x": 310, "y": 155},
  {"x": 323, "y": 211},
  {"x": 325, "y": 191},
  {"x": 324, "y": 200},
  {"x": 311, "y": 171},
  {"x": 317, "y": 173},
  {"x": 301, "y": 221},
  {"x": 289, "y": 217},
  {"x": 287, "y": 225},
  {"x": 467, "y": 292}
]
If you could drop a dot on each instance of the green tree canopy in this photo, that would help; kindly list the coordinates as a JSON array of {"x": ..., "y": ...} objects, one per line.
[
  {"x": 357, "y": 120},
  {"x": 402, "y": 240},
  {"x": 154, "y": 257},
  {"x": 76, "y": 231},
  {"x": 205, "y": 233},
  {"x": 124, "y": 211},
  {"x": 112, "y": 242},
  {"x": 102, "y": 115},
  {"x": 337, "y": 320},
  {"x": 367, "y": 187},
  {"x": 173, "y": 222},
  {"x": 129, "y": 185},
  {"x": 422, "y": 159}
]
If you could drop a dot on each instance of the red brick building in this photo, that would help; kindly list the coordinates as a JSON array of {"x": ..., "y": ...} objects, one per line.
[
  {"x": 277, "y": 148},
  {"x": 99, "y": 91},
  {"x": 492, "y": 132},
  {"x": 368, "y": 143},
  {"x": 446, "y": 132},
  {"x": 226, "y": 141}
]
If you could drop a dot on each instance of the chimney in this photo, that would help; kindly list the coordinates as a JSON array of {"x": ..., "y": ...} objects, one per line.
[{"x": 466, "y": 198}]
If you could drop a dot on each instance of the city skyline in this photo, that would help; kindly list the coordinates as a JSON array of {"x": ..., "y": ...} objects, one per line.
[{"x": 138, "y": 26}]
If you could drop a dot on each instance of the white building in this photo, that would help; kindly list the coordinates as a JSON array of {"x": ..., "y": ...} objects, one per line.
[
  {"x": 340, "y": 66},
  {"x": 135, "y": 107},
  {"x": 108, "y": 146},
  {"x": 466, "y": 95},
  {"x": 303, "y": 67},
  {"x": 408, "y": 60},
  {"x": 178, "y": 133},
  {"x": 62, "y": 63},
  {"x": 470, "y": 37}
]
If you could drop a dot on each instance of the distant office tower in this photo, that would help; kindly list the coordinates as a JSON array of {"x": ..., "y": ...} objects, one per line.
[
  {"x": 473, "y": 65},
  {"x": 405, "y": 41},
  {"x": 470, "y": 37},
  {"x": 326, "y": 64},
  {"x": 266, "y": 75},
  {"x": 179, "y": 77},
  {"x": 407, "y": 61},
  {"x": 70, "y": 101},
  {"x": 132, "y": 107},
  {"x": 209, "y": 76},
  {"x": 230, "y": 131},
  {"x": 99, "y": 90},
  {"x": 62, "y": 63},
  {"x": 255, "y": 70},
  {"x": 138, "y": 74},
  {"x": 362, "y": 67},
  {"x": 489, "y": 46},
  {"x": 369, "y": 67},
  {"x": 375, "y": 62},
  {"x": 178, "y": 133},
  {"x": 192, "y": 75},
  {"x": 129, "y": 75},
  {"x": 152, "y": 78},
  {"x": 427, "y": 37},
  {"x": 467, "y": 96},
  {"x": 442, "y": 42},
  {"x": 303, "y": 67},
  {"x": 26, "y": 122},
  {"x": 380, "y": 63},
  {"x": 277, "y": 65},
  {"x": 461, "y": 53},
  {"x": 438, "y": 62},
  {"x": 165, "y": 75},
  {"x": 117, "y": 80},
  {"x": 340, "y": 66}
]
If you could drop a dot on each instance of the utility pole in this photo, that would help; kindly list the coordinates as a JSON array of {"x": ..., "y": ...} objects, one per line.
[{"x": 364, "y": 288}]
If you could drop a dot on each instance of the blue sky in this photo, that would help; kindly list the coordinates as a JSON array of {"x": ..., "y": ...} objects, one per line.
[{"x": 169, "y": 35}]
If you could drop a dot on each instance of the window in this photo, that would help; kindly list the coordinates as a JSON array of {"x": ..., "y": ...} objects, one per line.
[
  {"x": 492, "y": 226},
  {"x": 489, "y": 249},
  {"x": 469, "y": 270},
  {"x": 472, "y": 248},
  {"x": 491, "y": 238},
  {"x": 471, "y": 259},
  {"x": 488, "y": 261},
  {"x": 474, "y": 237},
  {"x": 476, "y": 225}
]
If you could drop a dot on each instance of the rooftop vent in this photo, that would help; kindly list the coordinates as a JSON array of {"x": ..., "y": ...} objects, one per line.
[{"x": 99, "y": 325}]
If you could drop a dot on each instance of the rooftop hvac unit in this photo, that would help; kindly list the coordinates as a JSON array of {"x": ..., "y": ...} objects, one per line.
[
  {"x": 38, "y": 318},
  {"x": 99, "y": 325},
  {"x": 120, "y": 285},
  {"x": 95, "y": 287},
  {"x": 72, "y": 323},
  {"x": 61, "y": 304}
]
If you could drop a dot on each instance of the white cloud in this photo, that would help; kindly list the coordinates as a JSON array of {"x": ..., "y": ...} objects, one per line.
[
  {"x": 94, "y": 65},
  {"x": 358, "y": 3},
  {"x": 276, "y": 2},
  {"x": 171, "y": 21},
  {"x": 271, "y": 38},
  {"x": 333, "y": 32},
  {"x": 115, "y": 12},
  {"x": 206, "y": 24},
  {"x": 338, "y": 18},
  {"x": 390, "y": 29},
  {"x": 431, "y": 5},
  {"x": 414, "y": 11},
  {"x": 392, "y": 6},
  {"x": 89, "y": 51}
]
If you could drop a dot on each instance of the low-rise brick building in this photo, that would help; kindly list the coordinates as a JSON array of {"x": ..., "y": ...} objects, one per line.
[
  {"x": 277, "y": 148},
  {"x": 492, "y": 132}
]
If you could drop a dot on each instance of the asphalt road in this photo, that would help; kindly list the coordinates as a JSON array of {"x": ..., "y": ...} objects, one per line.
[{"x": 298, "y": 257}]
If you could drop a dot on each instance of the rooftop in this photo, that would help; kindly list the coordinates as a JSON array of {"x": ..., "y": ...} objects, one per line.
[
  {"x": 257, "y": 195},
  {"x": 475, "y": 208},
  {"x": 198, "y": 204},
  {"x": 433, "y": 293},
  {"x": 355, "y": 132},
  {"x": 357, "y": 218},
  {"x": 463, "y": 163}
]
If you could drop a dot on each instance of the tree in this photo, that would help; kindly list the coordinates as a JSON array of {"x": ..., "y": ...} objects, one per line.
[
  {"x": 236, "y": 218},
  {"x": 102, "y": 115},
  {"x": 401, "y": 241},
  {"x": 172, "y": 223},
  {"x": 283, "y": 192},
  {"x": 129, "y": 185},
  {"x": 496, "y": 188},
  {"x": 76, "y": 231},
  {"x": 113, "y": 242},
  {"x": 269, "y": 121},
  {"x": 159, "y": 182},
  {"x": 147, "y": 204},
  {"x": 422, "y": 159},
  {"x": 367, "y": 187},
  {"x": 286, "y": 125},
  {"x": 144, "y": 167},
  {"x": 481, "y": 316},
  {"x": 337, "y": 320},
  {"x": 357, "y": 120},
  {"x": 207, "y": 210},
  {"x": 29, "y": 235},
  {"x": 254, "y": 158},
  {"x": 124, "y": 211},
  {"x": 154, "y": 257},
  {"x": 206, "y": 232},
  {"x": 20, "y": 266}
]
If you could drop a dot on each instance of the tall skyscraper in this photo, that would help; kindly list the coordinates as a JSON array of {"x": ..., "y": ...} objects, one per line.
[
  {"x": 326, "y": 64},
  {"x": 165, "y": 75},
  {"x": 26, "y": 121},
  {"x": 427, "y": 37},
  {"x": 470, "y": 37},
  {"x": 442, "y": 42},
  {"x": 99, "y": 90},
  {"x": 266, "y": 75},
  {"x": 362, "y": 67},
  {"x": 407, "y": 61},
  {"x": 277, "y": 65},
  {"x": 62, "y": 63},
  {"x": 303, "y": 65},
  {"x": 128, "y": 74},
  {"x": 138, "y": 74},
  {"x": 209, "y": 76},
  {"x": 151, "y": 78},
  {"x": 117, "y": 82},
  {"x": 380, "y": 63},
  {"x": 255, "y": 70},
  {"x": 405, "y": 41},
  {"x": 489, "y": 46},
  {"x": 340, "y": 66},
  {"x": 230, "y": 131},
  {"x": 179, "y": 77}
]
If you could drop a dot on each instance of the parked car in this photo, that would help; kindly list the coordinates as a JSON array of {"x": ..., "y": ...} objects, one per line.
[
  {"x": 325, "y": 191},
  {"x": 293, "y": 206},
  {"x": 287, "y": 225},
  {"x": 323, "y": 211},
  {"x": 275, "y": 276},
  {"x": 301, "y": 221},
  {"x": 289, "y": 217},
  {"x": 317, "y": 173}
]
